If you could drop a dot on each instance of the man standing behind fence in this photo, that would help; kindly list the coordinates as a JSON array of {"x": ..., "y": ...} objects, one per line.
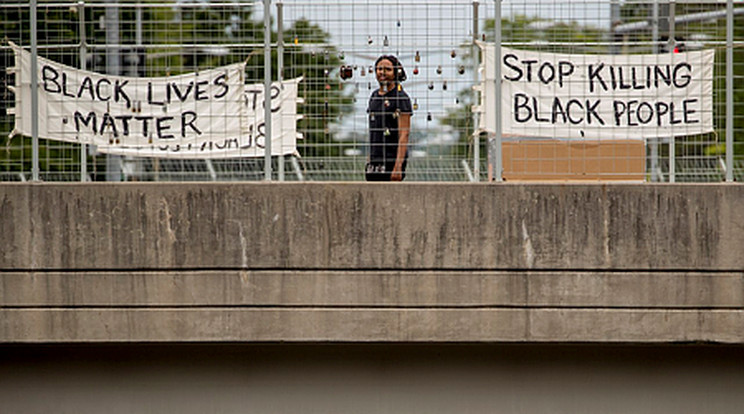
[{"x": 389, "y": 114}]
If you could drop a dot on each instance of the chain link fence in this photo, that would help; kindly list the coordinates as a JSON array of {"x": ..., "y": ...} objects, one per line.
[{"x": 332, "y": 46}]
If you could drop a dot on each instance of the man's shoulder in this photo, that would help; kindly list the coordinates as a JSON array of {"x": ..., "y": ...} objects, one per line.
[{"x": 402, "y": 93}]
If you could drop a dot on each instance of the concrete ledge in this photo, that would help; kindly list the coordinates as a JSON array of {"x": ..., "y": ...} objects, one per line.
[
  {"x": 371, "y": 306},
  {"x": 376, "y": 226},
  {"x": 369, "y": 325},
  {"x": 336, "y": 262},
  {"x": 384, "y": 289}
]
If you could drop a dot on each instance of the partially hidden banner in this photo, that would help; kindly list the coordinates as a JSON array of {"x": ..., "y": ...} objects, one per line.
[
  {"x": 568, "y": 96},
  {"x": 205, "y": 114}
]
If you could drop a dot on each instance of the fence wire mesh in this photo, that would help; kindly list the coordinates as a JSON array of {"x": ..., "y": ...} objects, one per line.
[{"x": 318, "y": 40}]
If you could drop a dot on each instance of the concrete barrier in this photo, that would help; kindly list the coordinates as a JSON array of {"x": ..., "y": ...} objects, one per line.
[
  {"x": 355, "y": 226},
  {"x": 351, "y": 262}
]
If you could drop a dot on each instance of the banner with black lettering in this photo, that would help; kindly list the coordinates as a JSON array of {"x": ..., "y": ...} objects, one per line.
[
  {"x": 249, "y": 142},
  {"x": 205, "y": 114},
  {"x": 567, "y": 96}
]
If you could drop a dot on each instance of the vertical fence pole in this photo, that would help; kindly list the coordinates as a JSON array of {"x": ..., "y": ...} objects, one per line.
[
  {"x": 494, "y": 144},
  {"x": 267, "y": 90},
  {"x": 672, "y": 45},
  {"x": 730, "y": 91},
  {"x": 113, "y": 162},
  {"x": 653, "y": 142},
  {"x": 137, "y": 55},
  {"x": 83, "y": 66},
  {"x": 34, "y": 97},
  {"x": 614, "y": 21},
  {"x": 138, "y": 28},
  {"x": 476, "y": 116},
  {"x": 280, "y": 67},
  {"x": 655, "y": 26}
]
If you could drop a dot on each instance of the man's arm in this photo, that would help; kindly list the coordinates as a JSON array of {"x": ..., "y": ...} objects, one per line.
[{"x": 404, "y": 128}]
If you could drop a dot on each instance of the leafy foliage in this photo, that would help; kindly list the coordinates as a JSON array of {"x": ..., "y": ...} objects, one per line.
[
  {"x": 571, "y": 36},
  {"x": 560, "y": 37},
  {"x": 179, "y": 40}
]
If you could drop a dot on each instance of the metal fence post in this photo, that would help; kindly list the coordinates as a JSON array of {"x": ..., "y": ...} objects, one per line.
[
  {"x": 653, "y": 142},
  {"x": 730, "y": 91},
  {"x": 83, "y": 66},
  {"x": 476, "y": 116},
  {"x": 280, "y": 67},
  {"x": 615, "y": 19},
  {"x": 495, "y": 166},
  {"x": 113, "y": 67},
  {"x": 34, "y": 97},
  {"x": 267, "y": 90},
  {"x": 672, "y": 44}
]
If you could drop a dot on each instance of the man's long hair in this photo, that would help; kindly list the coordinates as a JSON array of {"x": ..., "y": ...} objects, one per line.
[{"x": 400, "y": 73}]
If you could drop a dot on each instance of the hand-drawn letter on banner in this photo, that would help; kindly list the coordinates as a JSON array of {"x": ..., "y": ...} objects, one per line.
[
  {"x": 599, "y": 96},
  {"x": 203, "y": 114},
  {"x": 249, "y": 142}
]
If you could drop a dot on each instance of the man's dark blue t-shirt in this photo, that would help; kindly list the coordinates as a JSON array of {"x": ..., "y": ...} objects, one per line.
[{"x": 383, "y": 112}]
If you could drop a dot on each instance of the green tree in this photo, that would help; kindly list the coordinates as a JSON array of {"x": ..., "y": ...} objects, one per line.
[
  {"x": 178, "y": 40},
  {"x": 699, "y": 34},
  {"x": 55, "y": 28},
  {"x": 575, "y": 38},
  {"x": 529, "y": 33},
  {"x": 308, "y": 54}
]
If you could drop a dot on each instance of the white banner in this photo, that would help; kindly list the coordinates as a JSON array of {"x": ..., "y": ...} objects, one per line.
[
  {"x": 249, "y": 142},
  {"x": 206, "y": 114},
  {"x": 565, "y": 96}
]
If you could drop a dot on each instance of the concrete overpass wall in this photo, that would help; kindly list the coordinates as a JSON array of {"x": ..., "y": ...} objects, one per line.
[{"x": 349, "y": 262}]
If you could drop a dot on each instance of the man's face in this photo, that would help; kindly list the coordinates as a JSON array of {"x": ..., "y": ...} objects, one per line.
[{"x": 385, "y": 71}]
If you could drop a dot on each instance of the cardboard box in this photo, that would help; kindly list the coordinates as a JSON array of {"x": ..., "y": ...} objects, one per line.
[{"x": 551, "y": 160}]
